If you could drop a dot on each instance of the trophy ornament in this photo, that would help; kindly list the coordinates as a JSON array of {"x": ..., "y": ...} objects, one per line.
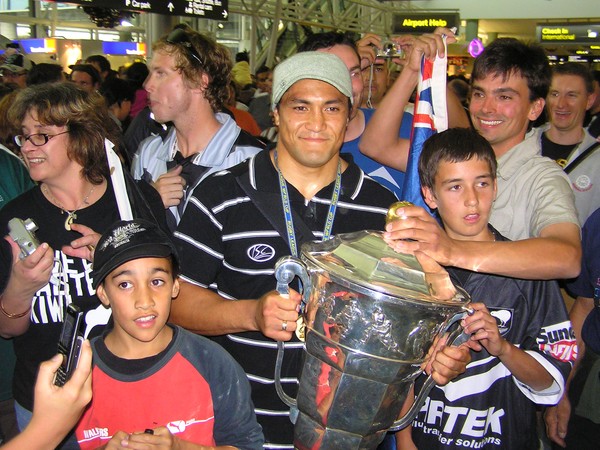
[{"x": 371, "y": 315}]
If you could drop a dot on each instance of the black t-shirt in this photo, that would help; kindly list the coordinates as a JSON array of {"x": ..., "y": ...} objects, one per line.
[
  {"x": 72, "y": 282},
  {"x": 555, "y": 151}
]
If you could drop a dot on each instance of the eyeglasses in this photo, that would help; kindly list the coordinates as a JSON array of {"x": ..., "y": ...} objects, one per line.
[
  {"x": 37, "y": 139},
  {"x": 179, "y": 36}
]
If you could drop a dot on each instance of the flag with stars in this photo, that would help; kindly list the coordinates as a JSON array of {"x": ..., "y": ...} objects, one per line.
[{"x": 430, "y": 116}]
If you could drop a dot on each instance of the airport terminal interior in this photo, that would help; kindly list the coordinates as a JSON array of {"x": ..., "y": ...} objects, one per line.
[{"x": 271, "y": 30}]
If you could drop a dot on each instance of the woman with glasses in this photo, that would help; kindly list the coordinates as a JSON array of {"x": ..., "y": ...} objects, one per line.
[{"x": 62, "y": 139}]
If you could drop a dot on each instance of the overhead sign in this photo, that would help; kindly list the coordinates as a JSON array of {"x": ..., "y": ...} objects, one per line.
[
  {"x": 204, "y": 9},
  {"x": 423, "y": 22},
  {"x": 568, "y": 33},
  {"x": 124, "y": 48},
  {"x": 38, "y": 45}
]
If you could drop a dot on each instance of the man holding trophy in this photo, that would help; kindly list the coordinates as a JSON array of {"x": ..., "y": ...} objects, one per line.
[{"x": 241, "y": 221}]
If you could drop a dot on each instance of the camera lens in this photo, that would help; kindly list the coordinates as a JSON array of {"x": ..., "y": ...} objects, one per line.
[{"x": 389, "y": 50}]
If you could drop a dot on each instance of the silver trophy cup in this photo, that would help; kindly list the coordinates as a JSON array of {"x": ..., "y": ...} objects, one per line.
[{"x": 371, "y": 316}]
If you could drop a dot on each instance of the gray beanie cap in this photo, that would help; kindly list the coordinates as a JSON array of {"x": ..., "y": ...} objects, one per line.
[{"x": 314, "y": 66}]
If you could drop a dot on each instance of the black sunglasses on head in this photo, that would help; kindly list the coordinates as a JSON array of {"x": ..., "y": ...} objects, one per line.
[{"x": 179, "y": 36}]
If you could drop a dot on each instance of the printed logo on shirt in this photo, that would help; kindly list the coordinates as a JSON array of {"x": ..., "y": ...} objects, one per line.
[
  {"x": 95, "y": 432},
  {"x": 261, "y": 252},
  {"x": 559, "y": 341},
  {"x": 460, "y": 426},
  {"x": 71, "y": 281},
  {"x": 503, "y": 319},
  {"x": 179, "y": 426},
  {"x": 582, "y": 183}
]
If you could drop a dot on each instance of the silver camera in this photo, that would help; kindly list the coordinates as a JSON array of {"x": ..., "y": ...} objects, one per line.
[
  {"x": 22, "y": 232},
  {"x": 390, "y": 49}
]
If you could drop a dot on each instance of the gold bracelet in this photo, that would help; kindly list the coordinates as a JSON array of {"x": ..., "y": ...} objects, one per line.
[{"x": 13, "y": 316}]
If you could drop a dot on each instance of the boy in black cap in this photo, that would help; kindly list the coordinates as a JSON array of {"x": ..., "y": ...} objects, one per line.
[{"x": 179, "y": 387}]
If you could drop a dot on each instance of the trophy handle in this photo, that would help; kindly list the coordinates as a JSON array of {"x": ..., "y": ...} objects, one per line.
[
  {"x": 455, "y": 337},
  {"x": 286, "y": 269}
]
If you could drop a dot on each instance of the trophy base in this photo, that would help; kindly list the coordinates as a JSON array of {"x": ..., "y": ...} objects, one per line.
[{"x": 308, "y": 435}]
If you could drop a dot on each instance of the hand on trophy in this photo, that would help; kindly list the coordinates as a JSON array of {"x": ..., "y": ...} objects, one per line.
[
  {"x": 444, "y": 362},
  {"x": 416, "y": 230},
  {"x": 483, "y": 328},
  {"x": 276, "y": 314}
]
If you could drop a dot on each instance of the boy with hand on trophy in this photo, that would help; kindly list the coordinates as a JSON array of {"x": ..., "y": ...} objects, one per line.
[{"x": 520, "y": 331}]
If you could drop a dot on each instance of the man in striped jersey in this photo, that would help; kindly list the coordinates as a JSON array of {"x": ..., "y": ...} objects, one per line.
[{"x": 235, "y": 228}]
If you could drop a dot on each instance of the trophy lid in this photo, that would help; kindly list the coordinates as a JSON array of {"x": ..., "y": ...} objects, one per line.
[{"x": 366, "y": 259}]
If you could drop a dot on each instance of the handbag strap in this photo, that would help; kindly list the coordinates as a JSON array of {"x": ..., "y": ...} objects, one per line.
[
  {"x": 271, "y": 208},
  {"x": 584, "y": 154}
]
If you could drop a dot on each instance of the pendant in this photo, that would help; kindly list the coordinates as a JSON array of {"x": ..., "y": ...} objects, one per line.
[
  {"x": 301, "y": 328},
  {"x": 70, "y": 219}
]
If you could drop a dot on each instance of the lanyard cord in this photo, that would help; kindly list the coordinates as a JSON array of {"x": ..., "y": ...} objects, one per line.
[{"x": 287, "y": 207}]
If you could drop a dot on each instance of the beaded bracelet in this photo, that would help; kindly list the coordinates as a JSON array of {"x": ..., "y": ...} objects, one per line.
[{"x": 13, "y": 316}]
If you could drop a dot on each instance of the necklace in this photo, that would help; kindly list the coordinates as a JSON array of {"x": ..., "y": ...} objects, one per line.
[
  {"x": 71, "y": 215},
  {"x": 287, "y": 208}
]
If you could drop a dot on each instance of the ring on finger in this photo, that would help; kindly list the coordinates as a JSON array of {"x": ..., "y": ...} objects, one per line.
[{"x": 284, "y": 325}]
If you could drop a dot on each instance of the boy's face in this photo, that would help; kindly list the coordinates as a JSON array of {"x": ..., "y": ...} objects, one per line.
[
  {"x": 140, "y": 294},
  {"x": 463, "y": 195}
]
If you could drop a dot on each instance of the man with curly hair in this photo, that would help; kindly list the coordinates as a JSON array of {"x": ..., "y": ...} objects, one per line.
[{"x": 187, "y": 87}]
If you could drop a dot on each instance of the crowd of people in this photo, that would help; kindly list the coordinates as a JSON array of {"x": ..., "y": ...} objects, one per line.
[{"x": 170, "y": 250}]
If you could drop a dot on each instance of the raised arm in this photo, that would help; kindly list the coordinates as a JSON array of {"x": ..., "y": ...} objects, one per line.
[
  {"x": 380, "y": 140},
  {"x": 555, "y": 254},
  {"x": 56, "y": 409}
]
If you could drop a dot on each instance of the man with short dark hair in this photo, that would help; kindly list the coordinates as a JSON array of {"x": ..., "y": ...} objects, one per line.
[
  {"x": 236, "y": 228},
  {"x": 119, "y": 96},
  {"x": 102, "y": 65},
  {"x": 564, "y": 138},
  {"x": 86, "y": 77},
  {"x": 535, "y": 204},
  {"x": 375, "y": 79},
  {"x": 260, "y": 105}
]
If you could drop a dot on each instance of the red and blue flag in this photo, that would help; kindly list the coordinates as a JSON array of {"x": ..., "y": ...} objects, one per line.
[{"x": 430, "y": 116}]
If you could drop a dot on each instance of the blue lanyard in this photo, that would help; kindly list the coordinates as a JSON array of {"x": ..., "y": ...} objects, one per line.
[{"x": 287, "y": 208}]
